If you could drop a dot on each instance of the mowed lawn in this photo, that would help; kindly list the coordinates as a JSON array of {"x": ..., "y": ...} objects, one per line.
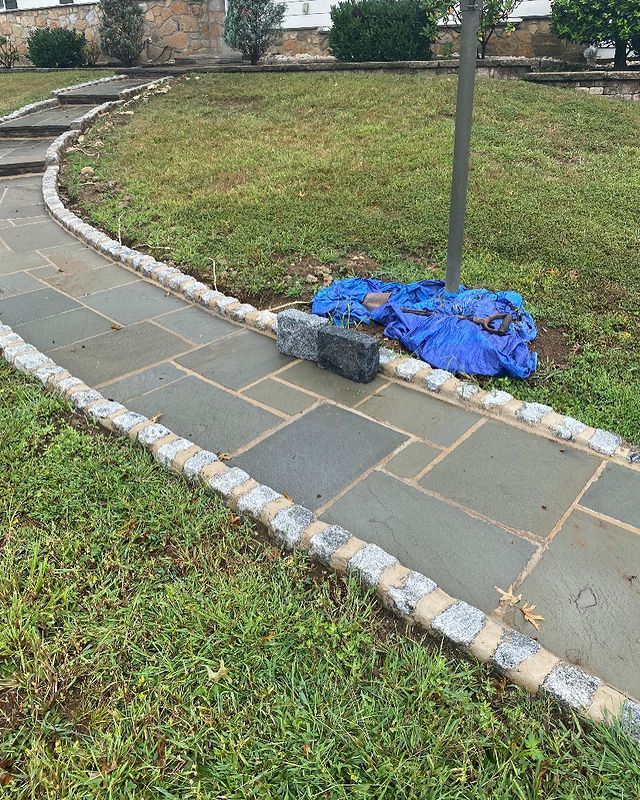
[
  {"x": 123, "y": 591},
  {"x": 19, "y": 88},
  {"x": 267, "y": 176}
]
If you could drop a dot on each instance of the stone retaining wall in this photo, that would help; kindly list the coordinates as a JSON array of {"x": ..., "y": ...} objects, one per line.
[
  {"x": 188, "y": 27},
  {"x": 624, "y": 85},
  {"x": 532, "y": 38}
]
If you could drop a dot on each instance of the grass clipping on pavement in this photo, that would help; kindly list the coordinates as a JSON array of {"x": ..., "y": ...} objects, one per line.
[
  {"x": 282, "y": 182},
  {"x": 153, "y": 645}
]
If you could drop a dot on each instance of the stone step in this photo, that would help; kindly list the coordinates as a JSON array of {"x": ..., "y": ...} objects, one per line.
[
  {"x": 22, "y": 156},
  {"x": 97, "y": 94},
  {"x": 51, "y": 122}
]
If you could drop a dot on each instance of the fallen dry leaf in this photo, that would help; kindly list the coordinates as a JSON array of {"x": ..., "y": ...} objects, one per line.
[
  {"x": 116, "y": 326},
  {"x": 234, "y": 519},
  {"x": 527, "y": 613},
  {"x": 223, "y": 456},
  {"x": 508, "y": 596},
  {"x": 219, "y": 674},
  {"x": 155, "y": 417}
]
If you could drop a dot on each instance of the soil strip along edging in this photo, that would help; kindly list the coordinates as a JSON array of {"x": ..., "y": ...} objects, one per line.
[{"x": 540, "y": 418}]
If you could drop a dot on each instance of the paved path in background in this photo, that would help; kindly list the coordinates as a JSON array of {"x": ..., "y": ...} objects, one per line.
[{"x": 471, "y": 502}]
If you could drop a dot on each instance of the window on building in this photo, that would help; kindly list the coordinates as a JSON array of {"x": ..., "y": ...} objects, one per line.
[
  {"x": 10, "y": 5},
  {"x": 66, "y": 2}
]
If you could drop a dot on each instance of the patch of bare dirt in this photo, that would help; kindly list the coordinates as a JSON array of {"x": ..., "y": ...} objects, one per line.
[{"x": 554, "y": 346}]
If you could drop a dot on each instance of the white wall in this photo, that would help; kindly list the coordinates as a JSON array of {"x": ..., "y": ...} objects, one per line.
[
  {"x": 316, "y": 13},
  {"x": 26, "y": 4}
]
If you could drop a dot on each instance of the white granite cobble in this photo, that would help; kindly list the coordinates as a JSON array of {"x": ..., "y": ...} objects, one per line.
[
  {"x": 387, "y": 356},
  {"x": 224, "y": 301},
  {"x": 289, "y": 524},
  {"x": 324, "y": 544},
  {"x": 255, "y": 501},
  {"x": 125, "y": 422},
  {"x": 82, "y": 399},
  {"x": 369, "y": 563},
  {"x": 533, "y": 413},
  {"x": 571, "y": 685},
  {"x": 167, "y": 452},
  {"x": 152, "y": 433},
  {"x": 406, "y": 597},
  {"x": 193, "y": 466},
  {"x": 226, "y": 482},
  {"x": 104, "y": 409},
  {"x": 496, "y": 399},
  {"x": 460, "y": 623},
  {"x": 28, "y": 362},
  {"x": 513, "y": 649},
  {"x": 436, "y": 379},
  {"x": 409, "y": 368},
  {"x": 239, "y": 314},
  {"x": 568, "y": 429},
  {"x": 604, "y": 442}
]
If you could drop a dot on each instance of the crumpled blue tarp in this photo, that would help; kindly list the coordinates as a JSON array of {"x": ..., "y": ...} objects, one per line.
[{"x": 442, "y": 340}]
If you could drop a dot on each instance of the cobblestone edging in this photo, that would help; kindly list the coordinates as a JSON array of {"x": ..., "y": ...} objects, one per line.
[
  {"x": 43, "y": 105},
  {"x": 406, "y": 593},
  {"x": 536, "y": 416}
]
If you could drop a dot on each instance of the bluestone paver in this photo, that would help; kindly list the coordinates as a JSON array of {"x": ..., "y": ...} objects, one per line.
[
  {"x": 35, "y": 237},
  {"x": 34, "y": 305},
  {"x": 78, "y": 259},
  {"x": 480, "y": 475},
  {"x": 142, "y": 382},
  {"x": 61, "y": 329},
  {"x": 118, "y": 352},
  {"x": 133, "y": 302},
  {"x": 81, "y": 284},
  {"x": 197, "y": 324},
  {"x": 320, "y": 381},
  {"x": 420, "y": 414},
  {"x": 587, "y": 588},
  {"x": 319, "y": 454},
  {"x": 280, "y": 396},
  {"x": 616, "y": 493},
  {"x": 18, "y": 283},
  {"x": 237, "y": 361},
  {"x": 213, "y": 417},
  {"x": 412, "y": 460},
  {"x": 14, "y": 262},
  {"x": 465, "y": 556}
]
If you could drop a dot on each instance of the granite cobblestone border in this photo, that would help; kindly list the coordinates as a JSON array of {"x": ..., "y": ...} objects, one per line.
[
  {"x": 407, "y": 594},
  {"x": 537, "y": 417}
]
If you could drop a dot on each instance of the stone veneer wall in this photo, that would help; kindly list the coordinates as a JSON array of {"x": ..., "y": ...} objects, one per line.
[
  {"x": 187, "y": 26},
  {"x": 623, "y": 85},
  {"x": 532, "y": 38},
  {"x": 307, "y": 41}
]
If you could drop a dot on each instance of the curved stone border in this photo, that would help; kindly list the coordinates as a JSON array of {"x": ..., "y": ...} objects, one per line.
[
  {"x": 406, "y": 593},
  {"x": 541, "y": 418},
  {"x": 43, "y": 105}
]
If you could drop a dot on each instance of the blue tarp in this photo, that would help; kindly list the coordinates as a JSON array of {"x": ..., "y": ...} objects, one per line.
[{"x": 441, "y": 339}]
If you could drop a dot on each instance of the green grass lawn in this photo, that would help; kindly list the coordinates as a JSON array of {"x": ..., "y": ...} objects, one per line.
[
  {"x": 273, "y": 175},
  {"x": 122, "y": 589},
  {"x": 19, "y": 88}
]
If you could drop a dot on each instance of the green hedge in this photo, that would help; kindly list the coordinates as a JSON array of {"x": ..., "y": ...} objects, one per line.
[
  {"x": 56, "y": 47},
  {"x": 381, "y": 30}
]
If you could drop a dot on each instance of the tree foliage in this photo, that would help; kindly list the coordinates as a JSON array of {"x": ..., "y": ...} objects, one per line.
[
  {"x": 382, "y": 30},
  {"x": 121, "y": 30},
  {"x": 599, "y": 22},
  {"x": 495, "y": 13},
  {"x": 251, "y": 26}
]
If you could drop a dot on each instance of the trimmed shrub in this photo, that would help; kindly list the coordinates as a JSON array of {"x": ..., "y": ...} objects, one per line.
[
  {"x": 121, "y": 30},
  {"x": 56, "y": 47},
  {"x": 250, "y": 26},
  {"x": 381, "y": 30}
]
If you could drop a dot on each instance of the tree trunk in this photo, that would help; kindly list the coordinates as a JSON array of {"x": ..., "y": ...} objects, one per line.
[
  {"x": 483, "y": 47},
  {"x": 620, "y": 58}
]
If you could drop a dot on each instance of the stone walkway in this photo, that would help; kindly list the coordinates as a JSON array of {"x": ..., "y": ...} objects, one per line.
[{"x": 472, "y": 502}]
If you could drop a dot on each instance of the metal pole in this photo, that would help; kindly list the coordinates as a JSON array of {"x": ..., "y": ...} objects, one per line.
[{"x": 470, "y": 10}]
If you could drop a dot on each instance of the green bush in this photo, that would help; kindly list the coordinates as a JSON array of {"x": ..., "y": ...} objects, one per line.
[
  {"x": 9, "y": 54},
  {"x": 121, "y": 30},
  {"x": 381, "y": 30},
  {"x": 56, "y": 47},
  {"x": 251, "y": 26}
]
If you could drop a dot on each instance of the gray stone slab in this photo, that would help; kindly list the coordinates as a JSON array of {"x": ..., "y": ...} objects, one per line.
[
  {"x": 133, "y": 302},
  {"x": 18, "y": 283},
  {"x": 14, "y": 151},
  {"x": 280, "y": 396},
  {"x": 12, "y": 262},
  {"x": 92, "y": 281},
  {"x": 412, "y": 460},
  {"x": 420, "y": 414},
  {"x": 118, "y": 352},
  {"x": 237, "y": 361},
  {"x": 71, "y": 326},
  {"x": 78, "y": 259},
  {"x": 34, "y": 305},
  {"x": 196, "y": 324},
  {"x": 584, "y": 587},
  {"x": 327, "y": 384},
  {"x": 211, "y": 417},
  {"x": 35, "y": 237},
  {"x": 142, "y": 382},
  {"x": 514, "y": 477},
  {"x": 319, "y": 454},
  {"x": 56, "y": 116},
  {"x": 23, "y": 197},
  {"x": 465, "y": 556},
  {"x": 616, "y": 493}
]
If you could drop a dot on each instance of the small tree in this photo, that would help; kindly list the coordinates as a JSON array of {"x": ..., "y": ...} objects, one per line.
[
  {"x": 599, "y": 22},
  {"x": 495, "y": 13},
  {"x": 250, "y": 26},
  {"x": 121, "y": 30}
]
